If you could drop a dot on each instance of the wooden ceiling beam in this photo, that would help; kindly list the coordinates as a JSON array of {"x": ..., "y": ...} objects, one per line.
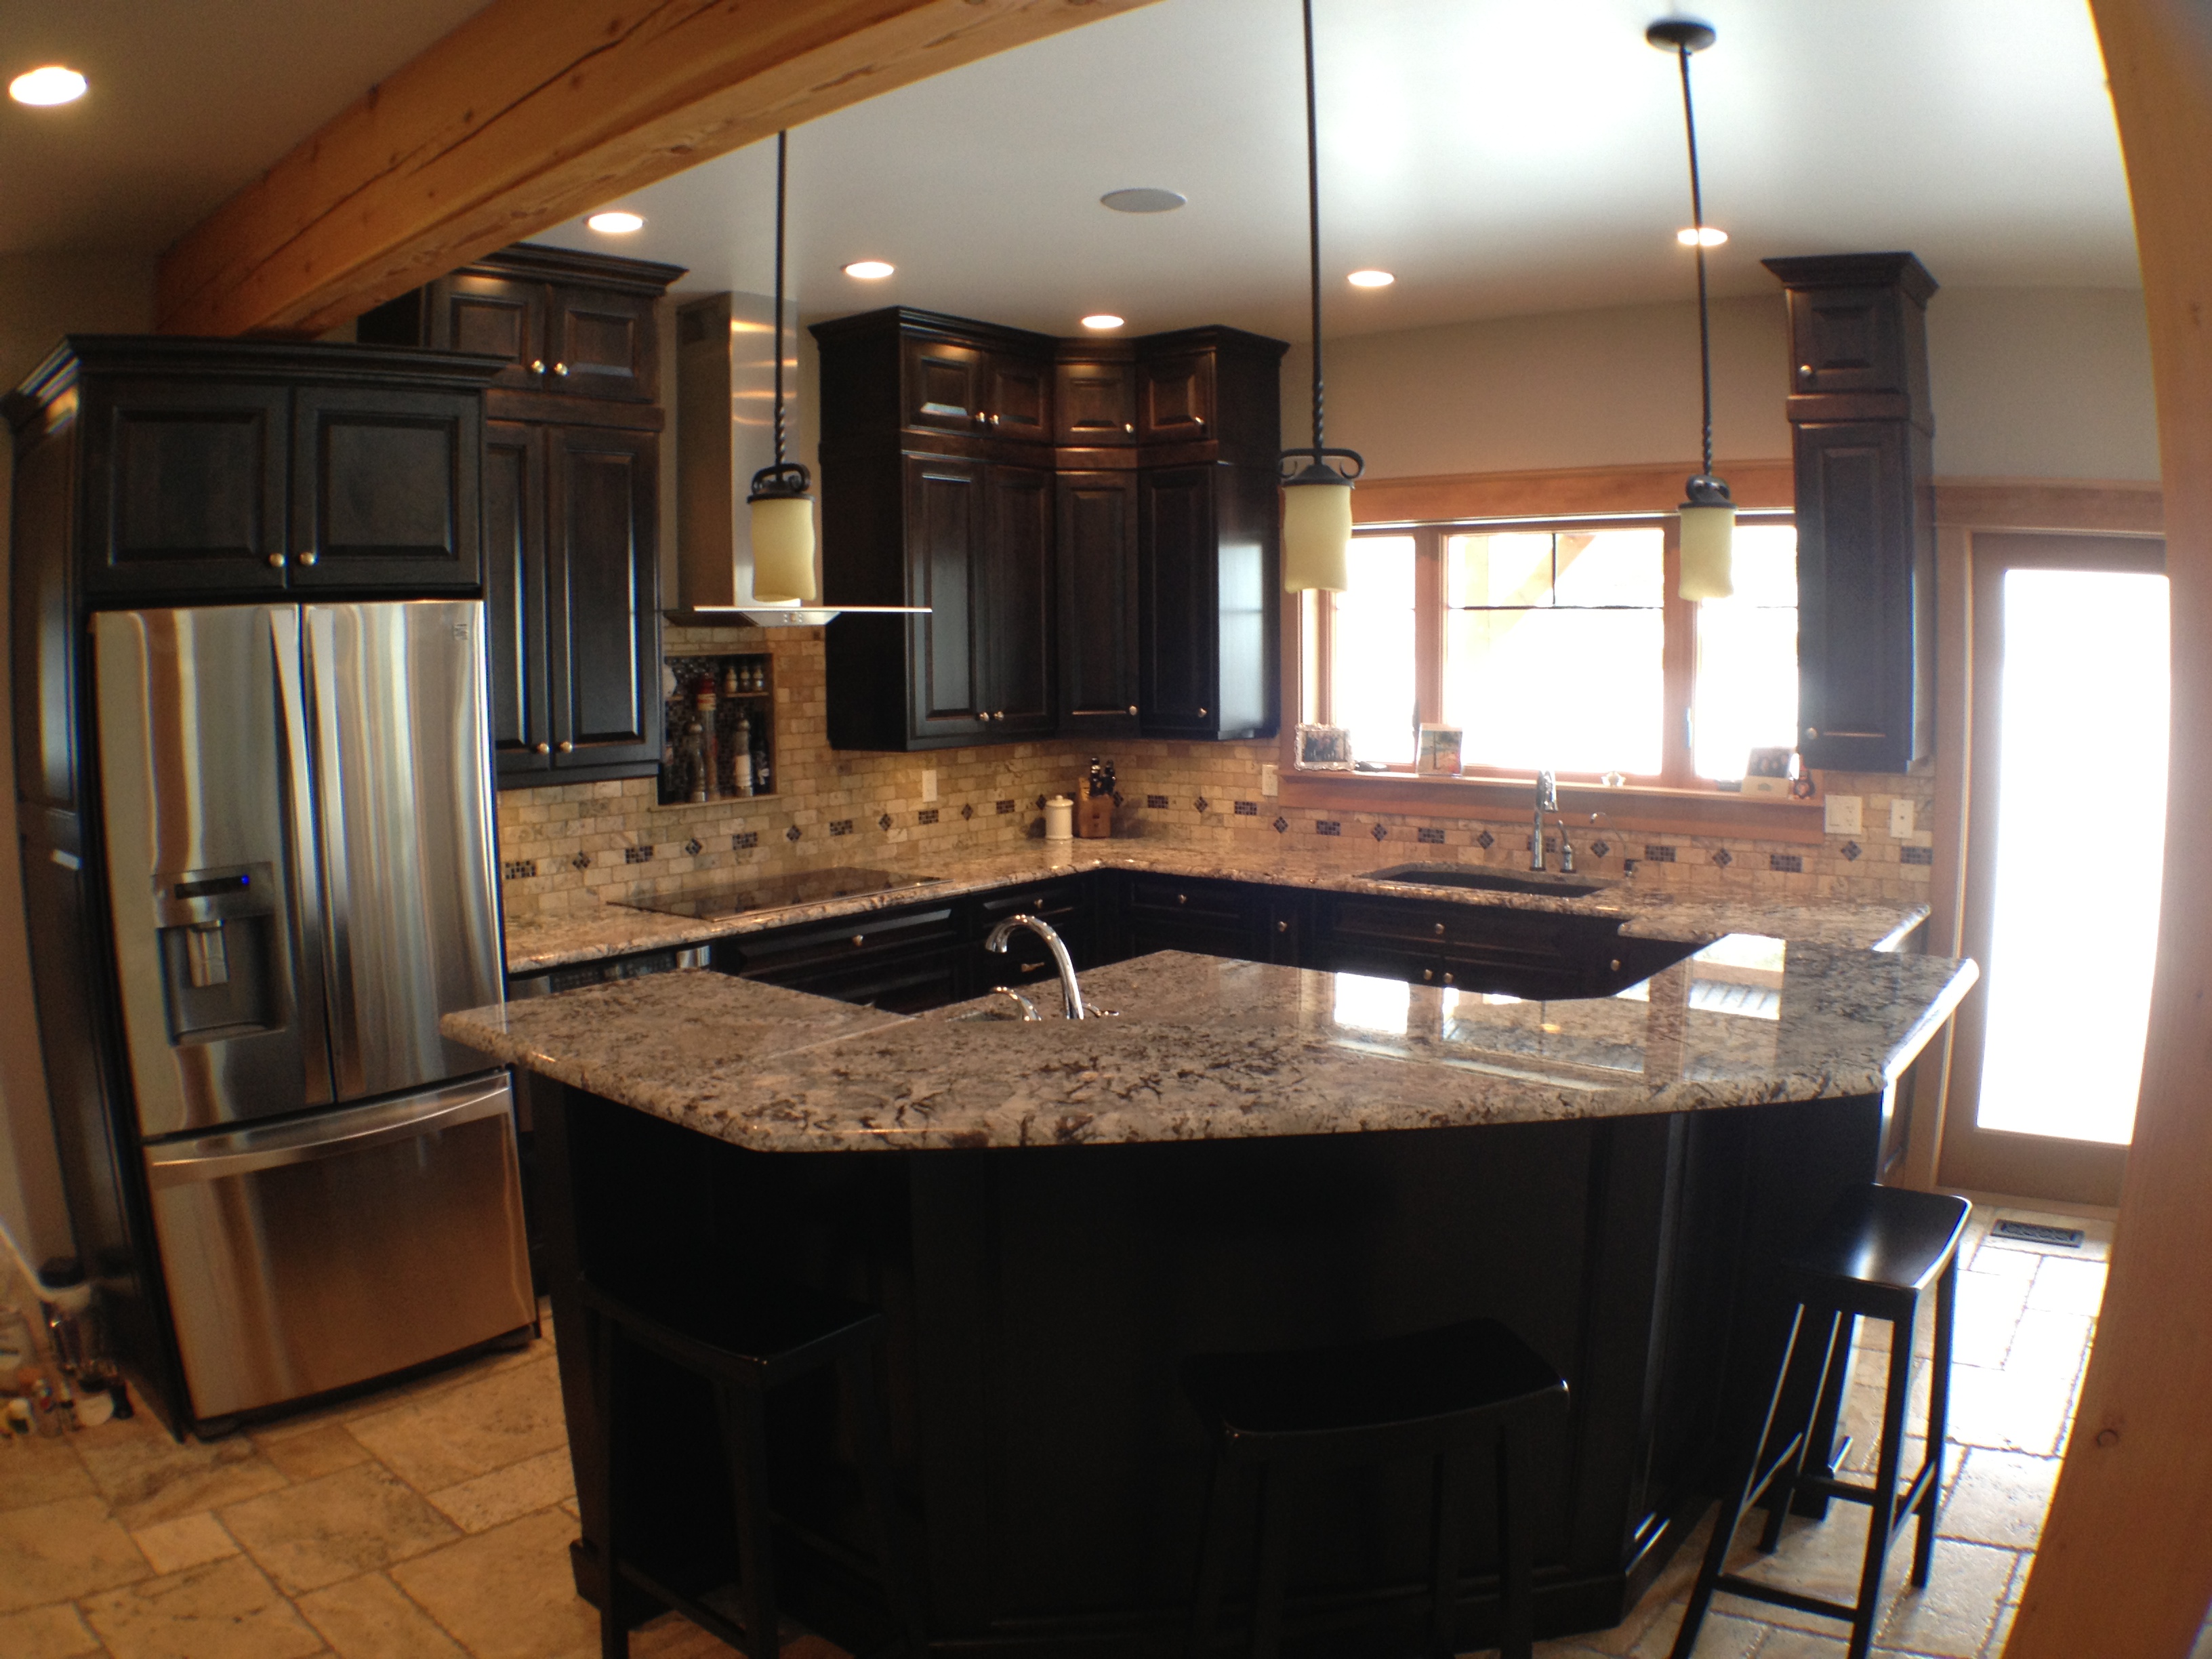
[{"x": 534, "y": 111}]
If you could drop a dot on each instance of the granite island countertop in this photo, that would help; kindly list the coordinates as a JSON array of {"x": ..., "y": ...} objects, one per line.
[
  {"x": 1645, "y": 911},
  {"x": 1207, "y": 1048}
]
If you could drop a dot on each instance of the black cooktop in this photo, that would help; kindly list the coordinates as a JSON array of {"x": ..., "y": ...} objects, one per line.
[{"x": 775, "y": 892}]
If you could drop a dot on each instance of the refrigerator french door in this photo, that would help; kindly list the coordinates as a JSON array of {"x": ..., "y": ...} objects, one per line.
[{"x": 299, "y": 859}]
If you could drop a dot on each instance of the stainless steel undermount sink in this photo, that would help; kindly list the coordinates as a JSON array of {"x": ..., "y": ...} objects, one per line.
[{"x": 1490, "y": 881}]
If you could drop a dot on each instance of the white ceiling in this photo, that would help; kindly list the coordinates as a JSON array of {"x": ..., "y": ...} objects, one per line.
[
  {"x": 190, "y": 100},
  {"x": 1501, "y": 158}
]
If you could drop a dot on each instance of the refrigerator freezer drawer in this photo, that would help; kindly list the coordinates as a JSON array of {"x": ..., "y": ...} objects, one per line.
[{"x": 323, "y": 1251}]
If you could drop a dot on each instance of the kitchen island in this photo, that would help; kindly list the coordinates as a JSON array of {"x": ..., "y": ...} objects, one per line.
[{"x": 1246, "y": 1156}]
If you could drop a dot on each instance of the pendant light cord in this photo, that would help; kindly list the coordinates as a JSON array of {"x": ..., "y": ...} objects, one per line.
[
  {"x": 1312, "y": 223},
  {"x": 1697, "y": 223},
  {"x": 783, "y": 145}
]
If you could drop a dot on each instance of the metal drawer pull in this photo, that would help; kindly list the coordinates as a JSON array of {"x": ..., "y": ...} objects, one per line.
[
  {"x": 1428, "y": 975},
  {"x": 1615, "y": 967},
  {"x": 561, "y": 369},
  {"x": 1440, "y": 930},
  {"x": 566, "y": 746},
  {"x": 536, "y": 365},
  {"x": 1282, "y": 927},
  {"x": 544, "y": 748},
  {"x": 1448, "y": 979},
  {"x": 1132, "y": 708},
  {"x": 1812, "y": 731},
  {"x": 1129, "y": 426},
  {"x": 859, "y": 938},
  {"x": 277, "y": 561},
  {"x": 1201, "y": 714},
  {"x": 308, "y": 557},
  {"x": 1183, "y": 898}
]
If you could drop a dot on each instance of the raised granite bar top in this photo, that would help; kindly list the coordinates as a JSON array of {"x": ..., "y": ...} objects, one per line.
[
  {"x": 1207, "y": 1048},
  {"x": 1647, "y": 911}
]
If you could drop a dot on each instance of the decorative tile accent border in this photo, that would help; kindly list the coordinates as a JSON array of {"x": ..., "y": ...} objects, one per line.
[
  {"x": 1852, "y": 851},
  {"x": 1156, "y": 803},
  {"x": 841, "y": 826},
  {"x": 1486, "y": 841},
  {"x": 1600, "y": 849},
  {"x": 1199, "y": 803},
  {"x": 582, "y": 861},
  {"x": 884, "y": 822},
  {"x": 928, "y": 815},
  {"x": 638, "y": 854},
  {"x": 1380, "y": 833},
  {"x": 1328, "y": 826},
  {"x": 1915, "y": 855},
  {"x": 1791, "y": 863},
  {"x": 1722, "y": 857},
  {"x": 745, "y": 839},
  {"x": 1005, "y": 807},
  {"x": 692, "y": 847},
  {"x": 792, "y": 834},
  {"x": 1281, "y": 824},
  {"x": 518, "y": 869},
  {"x": 1245, "y": 809},
  {"x": 1658, "y": 855},
  {"x": 1429, "y": 835},
  {"x": 967, "y": 810}
]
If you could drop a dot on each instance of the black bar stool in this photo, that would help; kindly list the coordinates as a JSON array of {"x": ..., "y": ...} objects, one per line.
[
  {"x": 1875, "y": 1254},
  {"x": 745, "y": 1342},
  {"x": 1437, "y": 1393}
]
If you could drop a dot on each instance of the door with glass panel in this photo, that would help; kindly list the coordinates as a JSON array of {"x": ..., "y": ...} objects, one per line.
[{"x": 2071, "y": 655}]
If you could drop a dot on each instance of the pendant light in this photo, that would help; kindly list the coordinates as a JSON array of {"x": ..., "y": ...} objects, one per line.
[
  {"x": 1316, "y": 496},
  {"x": 782, "y": 512},
  {"x": 1708, "y": 514}
]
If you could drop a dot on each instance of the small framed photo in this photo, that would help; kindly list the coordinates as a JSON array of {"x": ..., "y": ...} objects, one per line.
[
  {"x": 1324, "y": 749},
  {"x": 1438, "y": 755},
  {"x": 1770, "y": 771}
]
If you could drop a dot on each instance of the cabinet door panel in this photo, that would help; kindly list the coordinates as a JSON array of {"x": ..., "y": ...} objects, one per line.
[
  {"x": 1847, "y": 340},
  {"x": 1018, "y": 401},
  {"x": 384, "y": 488},
  {"x": 1175, "y": 398},
  {"x": 1095, "y": 404},
  {"x": 495, "y": 315},
  {"x": 1096, "y": 559},
  {"x": 185, "y": 487},
  {"x": 602, "y": 346},
  {"x": 943, "y": 385},
  {"x": 945, "y": 516},
  {"x": 603, "y": 597},
  {"x": 1856, "y": 600},
  {"x": 514, "y": 596},
  {"x": 1177, "y": 618},
  {"x": 1017, "y": 588}
]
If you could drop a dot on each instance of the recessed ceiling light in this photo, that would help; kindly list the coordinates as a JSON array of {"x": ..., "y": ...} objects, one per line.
[
  {"x": 1102, "y": 319},
  {"x": 1712, "y": 236},
  {"x": 50, "y": 85},
  {"x": 1370, "y": 279},
  {"x": 870, "y": 270},
  {"x": 1144, "y": 199},
  {"x": 615, "y": 224}
]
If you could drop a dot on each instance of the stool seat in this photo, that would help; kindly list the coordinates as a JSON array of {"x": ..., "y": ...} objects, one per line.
[
  {"x": 1410, "y": 1382},
  {"x": 1879, "y": 1247}
]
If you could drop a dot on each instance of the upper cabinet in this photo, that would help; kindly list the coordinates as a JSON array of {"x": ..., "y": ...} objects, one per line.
[
  {"x": 1089, "y": 521},
  {"x": 1862, "y": 434}
]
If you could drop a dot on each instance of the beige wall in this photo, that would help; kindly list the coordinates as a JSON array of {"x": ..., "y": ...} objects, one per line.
[{"x": 41, "y": 299}]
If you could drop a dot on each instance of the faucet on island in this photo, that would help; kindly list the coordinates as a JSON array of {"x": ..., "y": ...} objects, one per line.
[
  {"x": 1547, "y": 800},
  {"x": 1071, "y": 993}
]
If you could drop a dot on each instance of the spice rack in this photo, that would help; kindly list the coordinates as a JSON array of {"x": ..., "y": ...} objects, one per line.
[{"x": 730, "y": 755}]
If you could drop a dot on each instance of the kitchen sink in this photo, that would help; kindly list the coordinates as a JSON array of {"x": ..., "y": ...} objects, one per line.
[{"x": 1489, "y": 881}]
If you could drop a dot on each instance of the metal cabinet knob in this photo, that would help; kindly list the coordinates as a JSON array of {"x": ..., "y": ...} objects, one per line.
[
  {"x": 1806, "y": 369},
  {"x": 1448, "y": 979},
  {"x": 1614, "y": 966},
  {"x": 1282, "y": 927},
  {"x": 859, "y": 938},
  {"x": 544, "y": 748},
  {"x": 307, "y": 557},
  {"x": 1440, "y": 930},
  {"x": 566, "y": 746},
  {"x": 1129, "y": 427},
  {"x": 1812, "y": 731},
  {"x": 276, "y": 560},
  {"x": 1428, "y": 975},
  {"x": 536, "y": 365},
  {"x": 1201, "y": 714},
  {"x": 1183, "y": 898},
  {"x": 1132, "y": 708},
  {"x": 1198, "y": 420},
  {"x": 561, "y": 369}
]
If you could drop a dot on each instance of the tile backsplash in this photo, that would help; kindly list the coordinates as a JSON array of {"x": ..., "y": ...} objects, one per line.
[{"x": 572, "y": 847}]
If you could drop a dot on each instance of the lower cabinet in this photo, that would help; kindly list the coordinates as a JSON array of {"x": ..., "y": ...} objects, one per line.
[{"x": 903, "y": 960}]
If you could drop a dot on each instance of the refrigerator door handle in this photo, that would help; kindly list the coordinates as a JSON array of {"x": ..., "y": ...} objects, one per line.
[
  {"x": 305, "y": 879},
  {"x": 330, "y": 800},
  {"x": 240, "y": 1151}
]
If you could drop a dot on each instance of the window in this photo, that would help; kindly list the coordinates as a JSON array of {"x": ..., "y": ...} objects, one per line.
[{"x": 1560, "y": 645}]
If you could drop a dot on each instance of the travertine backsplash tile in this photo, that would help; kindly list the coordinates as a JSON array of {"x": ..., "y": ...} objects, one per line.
[{"x": 572, "y": 847}]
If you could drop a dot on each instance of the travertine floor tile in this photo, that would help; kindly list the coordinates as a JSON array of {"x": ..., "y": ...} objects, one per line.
[
  {"x": 370, "y": 1618},
  {"x": 324, "y": 1450},
  {"x": 322, "y": 1531},
  {"x": 484, "y": 1424},
  {"x": 1954, "y": 1614},
  {"x": 190, "y": 1540},
  {"x": 148, "y": 1477},
  {"x": 60, "y": 1551},
  {"x": 39, "y": 1470},
  {"x": 2022, "y": 1410},
  {"x": 1989, "y": 1308},
  {"x": 48, "y": 1632},
  {"x": 493, "y": 1499},
  {"x": 225, "y": 1610},
  {"x": 1999, "y": 1498},
  {"x": 506, "y": 1594},
  {"x": 2063, "y": 1284}
]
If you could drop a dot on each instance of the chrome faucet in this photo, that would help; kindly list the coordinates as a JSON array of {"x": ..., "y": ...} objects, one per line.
[
  {"x": 1566, "y": 846},
  {"x": 1071, "y": 993},
  {"x": 1547, "y": 800}
]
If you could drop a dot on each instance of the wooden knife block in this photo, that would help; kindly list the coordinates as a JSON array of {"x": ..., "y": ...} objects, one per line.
[{"x": 1094, "y": 816}]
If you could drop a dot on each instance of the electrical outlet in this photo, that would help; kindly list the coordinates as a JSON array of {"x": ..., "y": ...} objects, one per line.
[
  {"x": 1901, "y": 824},
  {"x": 929, "y": 783},
  {"x": 1844, "y": 817},
  {"x": 1271, "y": 780}
]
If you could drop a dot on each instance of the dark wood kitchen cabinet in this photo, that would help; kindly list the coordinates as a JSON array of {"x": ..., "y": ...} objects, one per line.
[
  {"x": 1862, "y": 435},
  {"x": 1095, "y": 555},
  {"x": 1094, "y": 400},
  {"x": 571, "y": 501},
  {"x": 1207, "y": 601}
]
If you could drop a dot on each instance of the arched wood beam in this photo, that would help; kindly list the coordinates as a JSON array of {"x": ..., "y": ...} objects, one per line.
[
  {"x": 535, "y": 110},
  {"x": 2125, "y": 1566}
]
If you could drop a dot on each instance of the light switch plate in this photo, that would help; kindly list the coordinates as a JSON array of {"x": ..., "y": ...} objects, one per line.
[
  {"x": 1901, "y": 824},
  {"x": 1843, "y": 815},
  {"x": 929, "y": 783},
  {"x": 1271, "y": 780}
]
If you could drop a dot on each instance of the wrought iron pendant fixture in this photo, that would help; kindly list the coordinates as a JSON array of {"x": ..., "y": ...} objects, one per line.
[
  {"x": 1708, "y": 514},
  {"x": 1316, "y": 496},
  {"x": 781, "y": 510}
]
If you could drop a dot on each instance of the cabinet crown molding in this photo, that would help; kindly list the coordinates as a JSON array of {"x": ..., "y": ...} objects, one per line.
[{"x": 1901, "y": 271}]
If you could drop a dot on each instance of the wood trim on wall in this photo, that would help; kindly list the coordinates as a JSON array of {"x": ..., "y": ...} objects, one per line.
[
  {"x": 2125, "y": 1562},
  {"x": 533, "y": 110},
  {"x": 1564, "y": 492}
]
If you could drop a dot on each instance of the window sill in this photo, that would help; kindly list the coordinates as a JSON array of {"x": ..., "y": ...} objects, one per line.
[{"x": 1639, "y": 807}]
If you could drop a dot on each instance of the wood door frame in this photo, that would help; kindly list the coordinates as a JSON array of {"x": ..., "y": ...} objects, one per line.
[{"x": 2033, "y": 1166}]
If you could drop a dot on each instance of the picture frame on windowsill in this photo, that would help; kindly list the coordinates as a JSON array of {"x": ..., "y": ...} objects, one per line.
[{"x": 1324, "y": 749}]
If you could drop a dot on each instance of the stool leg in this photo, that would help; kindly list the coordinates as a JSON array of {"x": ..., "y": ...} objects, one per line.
[
  {"x": 1274, "y": 1563},
  {"x": 1881, "y": 1516},
  {"x": 876, "y": 1479},
  {"x": 1517, "y": 1548},
  {"x": 1734, "y": 1501},
  {"x": 1445, "y": 1542},
  {"x": 1223, "y": 1487},
  {"x": 744, "y": 1442},
  {"x": 1777, "y": 1503},
  {"x": 600, "y": 1336},
  {"x": 1939, "y": 1423}
]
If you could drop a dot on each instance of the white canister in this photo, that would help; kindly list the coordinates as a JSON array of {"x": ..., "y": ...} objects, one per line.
[{"x": 1059, "y": 818}]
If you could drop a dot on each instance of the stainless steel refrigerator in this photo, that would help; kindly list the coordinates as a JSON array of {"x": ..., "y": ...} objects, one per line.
[{"x": 300, "y": 862}]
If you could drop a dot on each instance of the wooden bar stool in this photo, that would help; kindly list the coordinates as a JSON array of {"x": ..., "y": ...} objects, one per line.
[
  {"x": 743, "y": 1343},
  {"x": 1438, "y": 1395},
  {"x": 1875, "y": 1254}
]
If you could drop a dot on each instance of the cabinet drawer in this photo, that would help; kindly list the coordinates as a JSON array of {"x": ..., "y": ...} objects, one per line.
[
  {"x": 901, "y": 982},
  {"x": 1150, "y": 933},
  {"x": 854, "y": 939},
  {"x": 1198, "y": 903}
]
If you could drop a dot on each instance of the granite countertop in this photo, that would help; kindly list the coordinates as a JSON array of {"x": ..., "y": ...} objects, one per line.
[
  {"x": 1646, "y": 912},
  {"x": 1207, "y": 1048}
]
